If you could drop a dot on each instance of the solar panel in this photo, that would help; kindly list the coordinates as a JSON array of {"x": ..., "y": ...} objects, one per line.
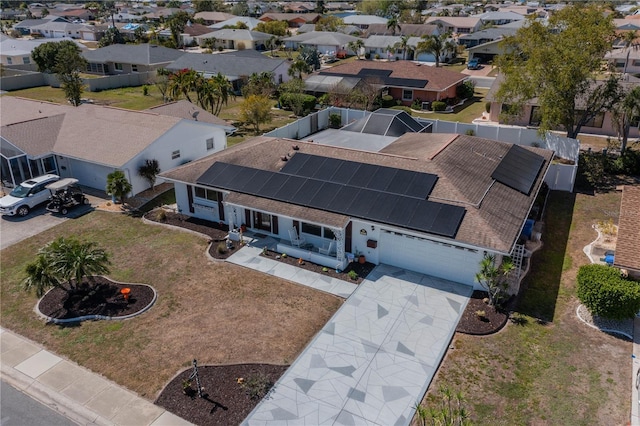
[
  {"x": 382, "y": 178},
  {"x": 374, "y": 72},
  {"x": 344, "y": 173},
  {"x": 519, "y": 169},
  {"x": 421, "y": 184},
  {"x": 384, "y": 207},
  {"x": 400, "y": 181},
  {"x": 328, "y": 168},
  {"x": 364, "y": 174},
  {"x": 295, "y": 164}
]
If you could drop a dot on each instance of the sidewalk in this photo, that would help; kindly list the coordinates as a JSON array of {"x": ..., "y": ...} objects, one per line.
[
  {"x": 635, "y": 369},
  {"x": 77, "y": 393}
]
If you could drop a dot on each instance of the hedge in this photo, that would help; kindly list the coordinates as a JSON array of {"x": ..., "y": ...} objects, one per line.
[
  {"x": 388, "y": 101},
  {"x": 308, "y": 102},
  {"x": 438, "y": 106},
  {"x": 606, "y": 294}
]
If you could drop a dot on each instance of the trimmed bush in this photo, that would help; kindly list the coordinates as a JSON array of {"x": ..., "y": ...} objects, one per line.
[
  {"x": 404, "y": 108},
  {"x": 606, "y": 294},
  {"x": 438, "y": 106},
  {"x": 388, "y": 101},
  {"x": 297, "y": 102},
  {"x": 465, "y": 90},
  {"x": 335, "y": 121}
]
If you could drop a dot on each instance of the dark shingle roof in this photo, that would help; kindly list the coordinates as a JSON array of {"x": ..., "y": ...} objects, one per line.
[
  {"x": 235, "y": 64},
  {"x": 185, "y": 109},
  {"x": 146, "y": 54}
]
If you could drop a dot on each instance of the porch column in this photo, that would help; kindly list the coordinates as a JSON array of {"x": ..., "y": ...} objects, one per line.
[{"x": 339, "y": 234}]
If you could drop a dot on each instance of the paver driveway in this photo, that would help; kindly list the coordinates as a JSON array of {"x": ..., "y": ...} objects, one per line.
[{"x": 374, "y": 359}]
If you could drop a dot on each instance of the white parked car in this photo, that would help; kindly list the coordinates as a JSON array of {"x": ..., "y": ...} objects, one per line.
[{"x": 26, "y": 196}]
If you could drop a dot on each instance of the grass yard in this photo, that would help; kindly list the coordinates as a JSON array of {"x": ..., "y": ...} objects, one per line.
[
  {"x": 547, "y": 367},
  {"x": 216, "y": 312},
  {"x": 464, "y": 114},
  {"x": 126, "y": 97}
]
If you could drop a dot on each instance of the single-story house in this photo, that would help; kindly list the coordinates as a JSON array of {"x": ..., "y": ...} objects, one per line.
[
  {"x": 322, "y": 41},
  {"x": 344, "y": 29},
  {"x": 189, "y": 34},
  {"x": 294, "y": 20},
  {"x": 88, "y": 142},
  {"x": 405, "y": 81},
  {"x": 499, "y": 18},
  {"x": 56, "y": 29},
  {"x": 128, "y": 58},
  {"x": 77, "y": 14},
  {"x": 485, "y": 36},
  {"x": 299, "y": 7},
  {"x": 602, "y": 124},
  {"x": 486, "y": 52},
  {"x": 624, "y": 60},
  {"x": 188, "y": 111},
  {"x": 627, "y": 255},
  {"x": 456, "y": 24},
  {"x": 235, "y": 66},
  {"x": 389, "y": 47},
  {"x": 364, "y": 21},
  {"x": 24, "y": 27},
  {"x": 17, "y": 51},
  {"x": 250, "y": 22},
  {"x": 413, "y": 30},
  {"x": 232, "y": 38},
  {"x": 210, "y": 18},
  {"x": 430, "y": 203}
]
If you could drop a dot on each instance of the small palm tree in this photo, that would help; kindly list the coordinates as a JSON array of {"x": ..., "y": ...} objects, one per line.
[
  {"x": 393, "y": 24},
  {"x": 403, "y": 44},
  {"x": 437, "y": 45},
  {"x": 117, "y": 185},
  {"x": 356, "y": 47},
  {"x": 149, "y": 170},
  {"x": 65, "y": 261}
]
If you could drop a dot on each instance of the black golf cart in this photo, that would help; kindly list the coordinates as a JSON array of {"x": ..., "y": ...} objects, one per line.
[{"x": 65, "y": 194}]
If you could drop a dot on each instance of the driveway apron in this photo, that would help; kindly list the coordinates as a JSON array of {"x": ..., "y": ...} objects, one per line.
[{"x": 374, "y": 359}]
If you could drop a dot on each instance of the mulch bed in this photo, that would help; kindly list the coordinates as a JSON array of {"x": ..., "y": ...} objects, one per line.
[
  {"x": 101, "y": 296},
  {"x": 362, "y": 269},
  {"x": 225, "y": 401},
  {"x": 471, "y": 323}
]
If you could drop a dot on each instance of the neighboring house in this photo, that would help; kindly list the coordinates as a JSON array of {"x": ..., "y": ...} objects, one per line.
[
  {"x": 323, "y": 41},
  {"x": 456, "y": 24},
  {"x": 364, "y": 21},
  {"x": 430, "y": 203},
  {"x": 210, "y": 18},
  {"x": 77, "y": 14},
  {"x": 160, "y": 14},
  {"x": 11, "y": 14},
  {"x": 229, "y": 38},
  {"x": 405, "y": 81},
  {"x": 235, "y": 66},
  {"x": 189, "y": 34},
  {"x": 17, "y": 51},
  {"x": 188, "y": 111},
  {"x": 624, "y": 60},
  {"x": 413, "y": 30},
  {"x": 57, "y": 29},
  {"x": 485, "y": 36},
  {"x": 601, "y": 124},
  {"x": 24, "y": 27},
  {"x": 127, "y": 58},
  {"x": 628, "y": 240},
  {"x": 627, "y": 24},
  {"x": 486, "y": 52},
  {"x": 294, "y": 20},
  {"x": 89, "y": 142},
  {"x": 499, "y": 18},
  {"x": 300, "y": 7},
  {"x": 344, "y": 29},
  {"x": 251, "y": 23}
]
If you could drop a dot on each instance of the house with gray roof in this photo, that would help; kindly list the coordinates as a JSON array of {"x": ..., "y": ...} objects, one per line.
[
  {"x": 499, "y": 18},
  {"x": 232, "y": 38},
  {"x": 485, "y": 36},
  {"x": 364, "y": 21},
  {"x": 24, "y": 27},
  {"x": 17, "y": 51},
  {"x": 89, "y": 141},
  {"x": 413, "y": 30},
  {"x": 250, "y": 22},
  {"x": 235, "y": 66},
  {"x": 323, "y": 41},
  {"x": 58, "y": 29},
  {"x": 129, "y": 58}
]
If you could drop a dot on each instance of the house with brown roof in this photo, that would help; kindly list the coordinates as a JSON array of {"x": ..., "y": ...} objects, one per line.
[
  {"x": 430, "y": 203},
  {"x": 405, "y": 81},
  {"x": 89, "y": 141},
  {"x": 210, "y": 18},
  {"x": 456, "y": 24},
  {"x": 627, "y": 255},
  {"x": 294, "y": 20}
]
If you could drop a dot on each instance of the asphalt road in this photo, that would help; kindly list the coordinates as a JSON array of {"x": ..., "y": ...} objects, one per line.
[
  {"x": 18, "y": 409},
  {"x": 14, "y": 229}
]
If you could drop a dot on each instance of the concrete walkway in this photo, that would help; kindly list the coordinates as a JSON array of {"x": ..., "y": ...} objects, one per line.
[
  {"x": 374, "y": 359},
  {"x": 77, "y": 393},
  {"x": 635, "y": 372}
]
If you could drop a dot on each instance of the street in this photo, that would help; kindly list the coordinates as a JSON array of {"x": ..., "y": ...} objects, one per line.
[{"x": 18, "y": 409}]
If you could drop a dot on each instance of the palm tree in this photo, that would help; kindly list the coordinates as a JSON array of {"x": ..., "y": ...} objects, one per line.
[
  {"x": 64, "y": 260},
  {"x": 117, "y": 185},
  {"x": 393, "y": 24},
  {"x": 404, "y": 45},
  {"x": 625, "y": 113},
  {"x": 298, "y": 68},
  {"x": 356, "y": 46},
  {"x": 437, "y": 45},
  {"x": 182, "y": 82},
  {"x": 149, "y": 170},
  {"x": 628, "y": 39}
]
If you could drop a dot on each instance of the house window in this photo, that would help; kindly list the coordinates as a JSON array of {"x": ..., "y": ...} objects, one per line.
[
  {"x": 117, "y": 66},
  {"x": 207, "y": 194},
  {"x": 209, "y": 144},
  {"x": 620, "y": 64},
  {"x": 463, "y": 30},
  {"x": 407, "y": 95},
  {"x": 134, "y": 68},
  {"x": 311, "y": 229},
  {"x": 328, "y": 234},
  {"x": 596, "y": 121},
  {"x": 636, "y": 62},
  {"x": 262, "y": 221},
  {"x": 9, "y": 61},
  {"x": 26, "y": 60},
  {"x": 175, "y": 154},
  {"x": 536, "y": 116}
]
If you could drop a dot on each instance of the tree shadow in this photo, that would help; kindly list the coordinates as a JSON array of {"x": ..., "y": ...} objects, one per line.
[{"x": 539, "y": 289}]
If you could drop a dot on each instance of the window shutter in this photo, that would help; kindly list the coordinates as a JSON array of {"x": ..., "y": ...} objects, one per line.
[
  {"x": 190, "y": 197},
  {"x": 274, "y": 224},
  {"x": 247, "y": 218}
]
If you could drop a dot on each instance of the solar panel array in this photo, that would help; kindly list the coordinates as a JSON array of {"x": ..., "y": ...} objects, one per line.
[
  {"x": 405, "y": 209},
  {"x": 519, "y": 169},
  {"x": 362, "y": 175}
]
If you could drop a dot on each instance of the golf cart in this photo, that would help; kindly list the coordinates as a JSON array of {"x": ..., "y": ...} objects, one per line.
[{"x": 65, "y": 194}]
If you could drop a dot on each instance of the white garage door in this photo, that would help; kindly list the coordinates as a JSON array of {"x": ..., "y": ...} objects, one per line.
[
  {"x": 91, "y": 175},
  {"x": 424, "y": 256}
]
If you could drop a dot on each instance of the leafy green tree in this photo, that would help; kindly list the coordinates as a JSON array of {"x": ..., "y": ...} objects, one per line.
[
  {"x": 111, "y": 36},
  {"x": 117, "y": 185},
  {"x": 436, "y": 45},
  {"x": 240, "y": 8},
  {"x": 295, "y": 85},
  {"x": 299, "y": 67},
  {"x": 278, "y": 28},
  {"x": 330, "y": 23},
  {"x": 214, "y": 92},
  {"x": 626, "y": 112},
  {"x": 259, "y": 84},
  {"x": 377, "y": 7},
  {"x": 149, "y": 170},
  {"x": 65, "y": 60},
  {"x": 176, "y": 24},
  {"x": 64, "y": 263},
  {"x": 72, "y": 86},
  {"x": 356, "y": 46},
  {"x": 45, "y": 54},
  {"x": 44, "y": 12},
  {"x": 272, "y": 43},
  {"x": 558, "y": 63},
  {"x": 493, "y": 278},
  {"x": 203, "y": 5},
  {"x": 605, "y": 293},
  {"x": 140, "y": 35},
  {"x": 173, "y": 4},
  {"x": 256, "y": 110},
  {"x": 311, "y": 56}
]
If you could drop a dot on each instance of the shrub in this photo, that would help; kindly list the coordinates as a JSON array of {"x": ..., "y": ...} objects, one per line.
[
  {"x": 487, "y": 107},
  {"x": 404, "y": 108},
  {"x": 222, "y": 247},
  {"x": 145, "y": 90},
  {"x": 335, "y": 120},
  {"x": 353, "y": 275},
  {"x": 299, "y": 103},
  {"x": 257, "y": 385},
  {"x": 416, "y": 104},
  {"x": 465, "y": 90},
  {"x": 438, "y": 106},
  {"x": 388, "y": 101},
  {"x": 377, "y": 56},
  {"x": 367, "y": 55},
  {"x": 606, "y": 294},
  {"x": 162, "y": 215},
  {"x": 470, "y": 132}
]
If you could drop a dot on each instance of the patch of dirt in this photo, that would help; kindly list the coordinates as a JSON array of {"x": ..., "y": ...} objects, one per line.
[
  {"x": 472, "y": 323},
  {"x": 361, "y": 269},
  {"x": 100, "y": 296},
  {"x": 225, "y": 401}
]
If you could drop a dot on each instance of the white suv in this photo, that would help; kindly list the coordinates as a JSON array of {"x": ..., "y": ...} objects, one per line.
[{"x": 26, "y": 196}]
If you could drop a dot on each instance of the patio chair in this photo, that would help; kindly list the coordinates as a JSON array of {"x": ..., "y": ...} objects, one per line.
[
  {"x": 326, "y": 249},
  {"x": 295, "y": 239}
]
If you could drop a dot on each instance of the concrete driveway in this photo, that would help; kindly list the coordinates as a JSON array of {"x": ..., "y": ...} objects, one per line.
[{"x": 14, "y": 229}]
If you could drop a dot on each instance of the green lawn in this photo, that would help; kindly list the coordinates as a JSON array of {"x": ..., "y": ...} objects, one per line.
[{"x": 466, "y": 113}]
